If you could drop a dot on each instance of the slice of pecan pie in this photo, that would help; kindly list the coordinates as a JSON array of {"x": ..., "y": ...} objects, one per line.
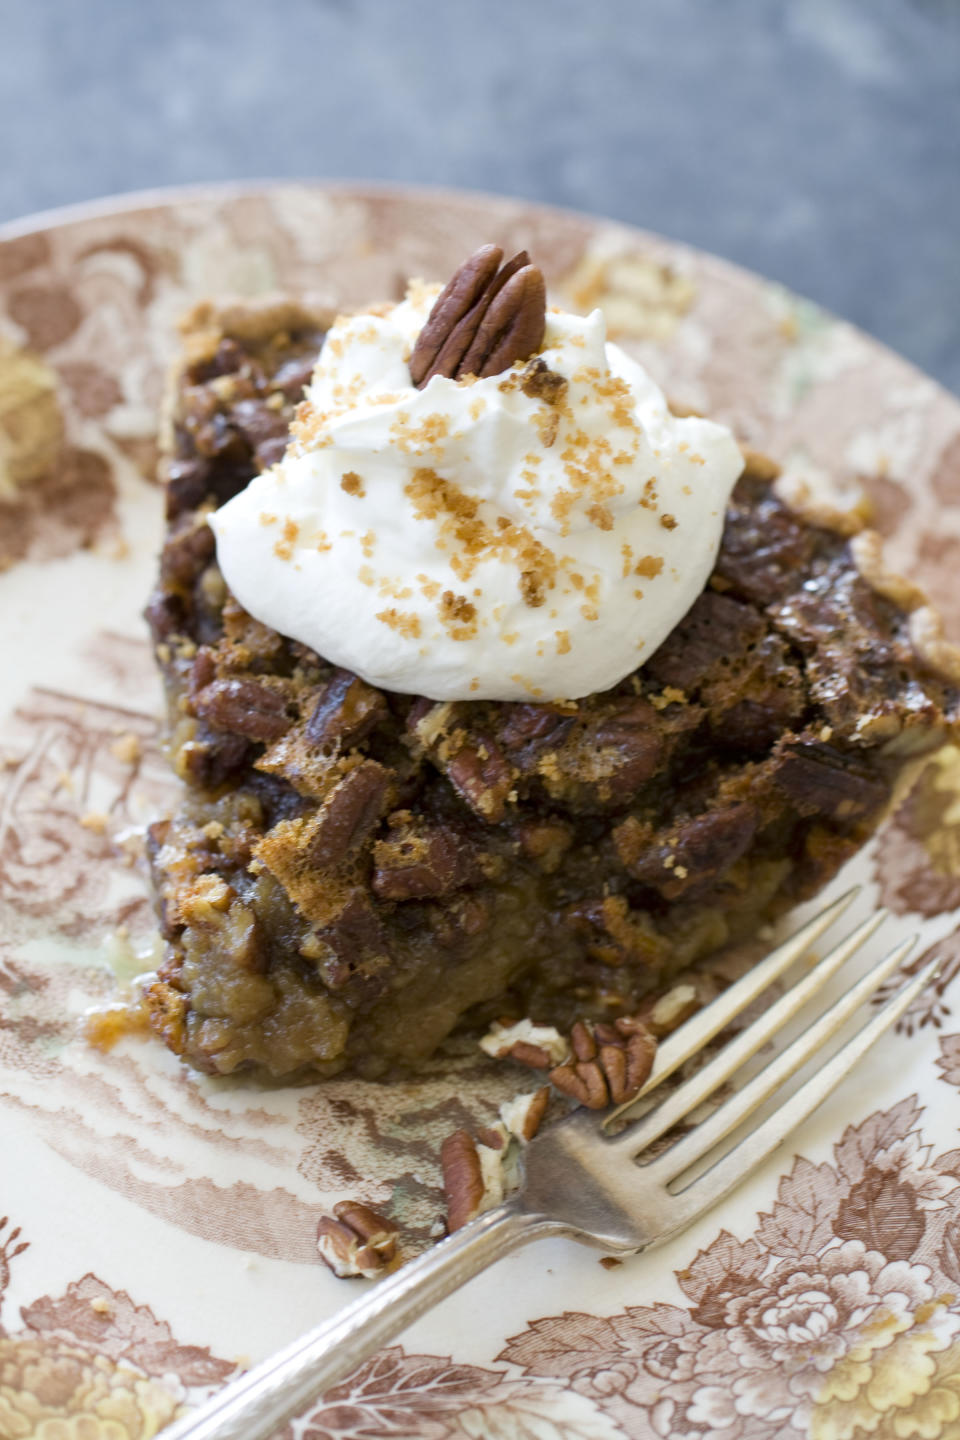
[{"x": 352, "y": 872}]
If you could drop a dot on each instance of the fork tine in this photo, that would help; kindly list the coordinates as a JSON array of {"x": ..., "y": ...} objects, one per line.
[
  {"x": 705, "y": 1081},
  {"x": 707, "y": 1134},
  {"x": 722, "y": 1177},
  {"x": 701, "y": 1028}
]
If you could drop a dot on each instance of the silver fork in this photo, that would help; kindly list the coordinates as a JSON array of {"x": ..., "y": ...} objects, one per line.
[{"x": 580, "y": 1181}]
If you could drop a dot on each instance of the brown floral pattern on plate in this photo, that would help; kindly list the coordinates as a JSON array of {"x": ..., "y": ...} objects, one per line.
[{"x": 92, "y": 1362}]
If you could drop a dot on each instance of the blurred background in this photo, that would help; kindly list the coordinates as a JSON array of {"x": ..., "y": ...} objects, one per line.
[{"x": 817, "y": 141}]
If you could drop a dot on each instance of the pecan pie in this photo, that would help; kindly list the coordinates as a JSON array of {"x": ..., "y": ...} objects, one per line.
[{"x": 353, "y": 872}]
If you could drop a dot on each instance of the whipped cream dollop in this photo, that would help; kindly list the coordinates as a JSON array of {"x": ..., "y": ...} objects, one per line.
[{"x": 531, "y": 535}]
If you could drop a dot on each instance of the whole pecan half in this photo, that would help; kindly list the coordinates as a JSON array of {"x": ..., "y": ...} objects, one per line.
[{"x": 487, "y": 317}]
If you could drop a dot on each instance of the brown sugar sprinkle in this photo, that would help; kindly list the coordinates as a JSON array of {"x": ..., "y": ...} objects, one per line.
[
  {"x": 668, "y": 522},
  {"x": 587, "y": 468},
  {"x": 531, "y": 588},
  {"x": 267, "y": 519},
  {"x": 621, "y": 407},
  {"x": 434, "y": 498},
  {"x": 403, "y": 621},
  {"x": 284, "y": 547},
  {"x": 649, "y": 566},
  {"x": 560, "y": 507},
  {"x": 458, "y": 615},
  {"x": 547, "y": 423},
  {"x": 600, "y": 516},
  {"x": 394, "y": 589},
  {"x": 670, "y": 695},
  {"x": 522, "y": 680},
  {"x": 428, "y": 435},
  {"x": 352, "y": 483},
  {"x": 563, "y": 642}
]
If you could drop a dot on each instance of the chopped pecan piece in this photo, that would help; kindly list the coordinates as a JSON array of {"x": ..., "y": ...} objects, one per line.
[
  {"x": 355, "y": 955},
  {"x": 356, "y": 1241},
  {"x": 347, "y": 816},
  {"x": 614, "y": 933},
  {"x": 668, "y": 1012},
  {"x": 539, "y": 382},
  {"x": 722, "y": 654},
  {"x": 715, "y": 632},
  {"x": 260, "y": 647},
  {"x": 431, "y": 722},
  {"x": 413, "y": 863},
  {"x": 463, "y": 1184},
  {"x": 476, "y": 1177},
  {"x": 584, "y": 1082},
  {"x": 186, "y": 553},
  {"x": 693, "y": 853},
  {"x": 523, "y": 1115},
  {"x": 630, "y": 731},
  {"x": 479, "y": 772},
  {"x": 256, "y": 709},
  {"x": 523, "y": 724},
  {"x": 212, "y": 757},
  {"x": 203, "y": 671},
  {"x": 266, "y": 430},
  {"x": 292, "y": 378},
  {"x": 187, "y": 485},
  {"x": 483, "y": 320},
  {"x": 537, "y": 1046},
  {"x": 610, "y": 1064},
  {"x": 764, "y": 547},
  {"x": 611, "y": 750},
  {"x": 823, "y": 780},
  {"x": 346, "y": 712},
  {"x": 166, "y": 614}
]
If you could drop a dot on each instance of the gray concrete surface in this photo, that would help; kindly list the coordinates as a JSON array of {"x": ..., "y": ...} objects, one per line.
[{"x": 817, "y": 141}]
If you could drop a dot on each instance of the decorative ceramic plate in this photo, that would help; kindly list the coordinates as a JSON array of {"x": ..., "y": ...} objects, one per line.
[{"x": 161, "y": 1224}]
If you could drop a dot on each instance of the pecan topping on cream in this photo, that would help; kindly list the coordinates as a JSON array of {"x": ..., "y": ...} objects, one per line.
[{"x": 487, "y": 317}]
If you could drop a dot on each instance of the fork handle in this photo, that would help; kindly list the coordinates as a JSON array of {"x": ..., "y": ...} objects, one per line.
[{"x": 256, "y": 1404}]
